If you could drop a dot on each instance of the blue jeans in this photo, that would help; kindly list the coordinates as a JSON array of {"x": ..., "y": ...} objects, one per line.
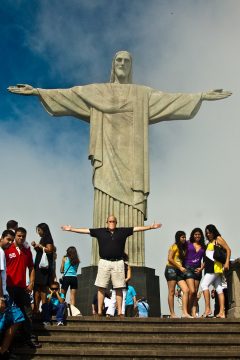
[{"x": 48, "y": 310}]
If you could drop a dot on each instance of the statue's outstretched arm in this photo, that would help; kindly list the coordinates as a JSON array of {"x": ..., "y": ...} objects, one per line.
[
  {"x": 216, "y": 94},
  {"x": 23, "y": 89}
]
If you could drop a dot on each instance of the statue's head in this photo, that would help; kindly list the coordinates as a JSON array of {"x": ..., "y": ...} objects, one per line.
[{"x": 122, "y": 68}]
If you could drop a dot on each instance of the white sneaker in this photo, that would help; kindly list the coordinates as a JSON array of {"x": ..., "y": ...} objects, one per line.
[
  {"x": 46, "y": 323},
  {"x": 60, "y": 323}
]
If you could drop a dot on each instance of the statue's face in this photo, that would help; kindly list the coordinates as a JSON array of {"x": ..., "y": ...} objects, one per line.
[{"x": 122, "y": 66}]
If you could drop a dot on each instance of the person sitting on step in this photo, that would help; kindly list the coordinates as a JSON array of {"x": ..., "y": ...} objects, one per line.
[{"x": 55, "y": 305}]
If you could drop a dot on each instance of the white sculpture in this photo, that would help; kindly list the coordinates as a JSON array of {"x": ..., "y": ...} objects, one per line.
[{"x": 119, "y": 113}]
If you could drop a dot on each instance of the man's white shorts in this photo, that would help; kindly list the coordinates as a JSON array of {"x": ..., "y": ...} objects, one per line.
[{"x": 113, "y": 270}]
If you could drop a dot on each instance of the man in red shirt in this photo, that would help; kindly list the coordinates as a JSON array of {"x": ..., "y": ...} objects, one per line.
[{"x": 18, "y": 259}]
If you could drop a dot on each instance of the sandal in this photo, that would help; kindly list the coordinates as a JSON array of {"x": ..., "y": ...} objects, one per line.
[
  {"x": 210, "y": 315},
  {"x": 173, "y": 316},
  {"x": 219, "y": 316},
  {"x": 187, "y": 316}
]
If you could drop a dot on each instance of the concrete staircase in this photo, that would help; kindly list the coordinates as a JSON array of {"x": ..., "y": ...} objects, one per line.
[{"x": 133, "y": 338}]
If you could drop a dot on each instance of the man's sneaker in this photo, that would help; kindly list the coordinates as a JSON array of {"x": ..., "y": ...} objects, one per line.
[
  {"x": 60, "y": 323},
  {"x": 46, "y": 323}
]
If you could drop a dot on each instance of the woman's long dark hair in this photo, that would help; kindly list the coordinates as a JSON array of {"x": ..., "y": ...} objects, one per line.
[
  {"x": 182, "y": 247},
  {"x": 73, "y": 255},
  {"x": 46, "y": 231},
  {"x": 212, "y": 229},
  {"x": 202, "y": 240}
]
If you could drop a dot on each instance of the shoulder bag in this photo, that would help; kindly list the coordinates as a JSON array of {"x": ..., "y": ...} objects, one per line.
[{"x": 219, "y": 253}]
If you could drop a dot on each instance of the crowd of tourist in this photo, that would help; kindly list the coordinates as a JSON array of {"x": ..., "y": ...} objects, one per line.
[
  {"x": 186, "y": 262},
  {"x": 41, "y": 294}
]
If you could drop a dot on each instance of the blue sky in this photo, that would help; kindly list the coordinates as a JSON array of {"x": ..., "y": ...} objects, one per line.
[{"x": 178, "y": 46}]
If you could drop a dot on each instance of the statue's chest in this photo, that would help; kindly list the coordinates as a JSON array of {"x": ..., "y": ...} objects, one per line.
[{"x": 120, "y": 94}]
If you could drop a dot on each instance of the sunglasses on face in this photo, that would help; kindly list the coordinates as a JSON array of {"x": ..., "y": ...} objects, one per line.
[
  {"x": 54, "y": 288},
  {"x": 111, "y": 221}
]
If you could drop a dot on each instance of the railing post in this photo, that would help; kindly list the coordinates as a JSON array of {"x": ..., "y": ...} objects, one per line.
[{"x": 233, "y": 279}]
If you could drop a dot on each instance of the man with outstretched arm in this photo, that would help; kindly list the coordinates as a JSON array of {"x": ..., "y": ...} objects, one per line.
[{"x": 111, "y": 241}]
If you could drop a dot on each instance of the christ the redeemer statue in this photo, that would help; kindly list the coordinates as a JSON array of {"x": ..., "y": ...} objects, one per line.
[{"x": 119, "y": 113}]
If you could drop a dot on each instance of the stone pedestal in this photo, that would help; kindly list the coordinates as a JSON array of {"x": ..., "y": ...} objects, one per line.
[
  {"x": 146, "y": 284},
  {"x": 144, "y": 280},
  {"x": 233, "y": 279},
  {"x": 86, "y": 289}
]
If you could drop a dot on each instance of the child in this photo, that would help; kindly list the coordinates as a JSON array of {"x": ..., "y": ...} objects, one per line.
[
  {"x": 143, "y": 308},
  {"x": 55, "y": 305}
]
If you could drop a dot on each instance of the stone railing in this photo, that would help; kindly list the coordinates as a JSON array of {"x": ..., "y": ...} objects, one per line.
[{"x": 233, "y": 280}]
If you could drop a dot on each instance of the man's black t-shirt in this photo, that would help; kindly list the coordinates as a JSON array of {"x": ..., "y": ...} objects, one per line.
[{"x": 111, "y": 244}]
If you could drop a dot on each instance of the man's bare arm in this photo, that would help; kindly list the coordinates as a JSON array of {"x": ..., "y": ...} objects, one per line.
[
  {"x": 31, "y": 279},
  {"x": 2, "y": 301},
  {"x": 147, "y": 227},
  {"x": 76, "y": 230}
]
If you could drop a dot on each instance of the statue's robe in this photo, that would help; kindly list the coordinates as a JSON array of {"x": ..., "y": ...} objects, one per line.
[{"x": 119, "y": 115}]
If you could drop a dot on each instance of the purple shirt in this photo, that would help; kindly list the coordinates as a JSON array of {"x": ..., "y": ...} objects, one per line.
[{"x": 193, "y": 258}]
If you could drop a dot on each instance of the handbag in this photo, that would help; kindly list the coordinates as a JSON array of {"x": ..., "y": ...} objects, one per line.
[
  {"x": 73, "y": 310},
  {"x": 219, "y": 254},
  {"x": 44, "y": 264}
]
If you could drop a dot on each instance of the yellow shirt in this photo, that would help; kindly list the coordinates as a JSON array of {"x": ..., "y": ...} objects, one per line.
[
  {"x": 218, "y": 267},
  {"x": 175, "y": 250}
]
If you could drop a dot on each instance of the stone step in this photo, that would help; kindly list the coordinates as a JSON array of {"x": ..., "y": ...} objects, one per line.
[
  {"x": 129, "y": 354},
  {"x": 133, "y": 338},
  {"x": 90, "y": 320},
  {"x": 155, "y": 340},
  {"x": 109, "y": 329},
  {"x": 131, "y": 324},
  {"x": 158, "y": 320}
]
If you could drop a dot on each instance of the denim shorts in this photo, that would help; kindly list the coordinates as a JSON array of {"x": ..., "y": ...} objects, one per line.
[
  {"x": 12, "y": 315},
  {"x": 191, "y": 274},
  {"x": 172, "y": 273}
]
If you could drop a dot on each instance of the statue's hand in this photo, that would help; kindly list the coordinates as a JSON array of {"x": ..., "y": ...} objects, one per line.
[
  {"x": 22, "y": 89},
  {"x": 216, "y": 94}
]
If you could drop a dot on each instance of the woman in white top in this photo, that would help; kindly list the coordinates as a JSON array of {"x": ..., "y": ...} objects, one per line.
[{"x": 214, "y": 270}]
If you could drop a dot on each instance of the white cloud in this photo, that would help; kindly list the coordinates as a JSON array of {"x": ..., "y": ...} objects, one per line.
[{"x": 48, "y": 184}]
